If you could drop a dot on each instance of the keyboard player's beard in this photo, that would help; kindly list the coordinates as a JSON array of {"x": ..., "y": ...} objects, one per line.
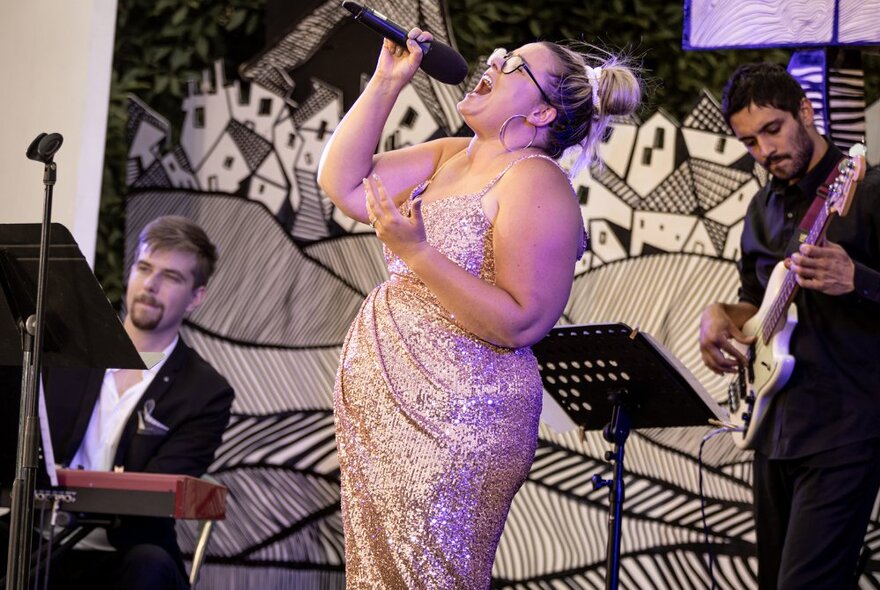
[{"x": 146, "y": 313}]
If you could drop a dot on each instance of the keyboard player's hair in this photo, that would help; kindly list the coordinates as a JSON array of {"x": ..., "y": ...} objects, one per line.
[{"x": 173, "y": 232}]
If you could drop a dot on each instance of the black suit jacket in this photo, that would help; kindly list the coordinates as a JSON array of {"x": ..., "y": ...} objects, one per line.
[{"x": 191, "y": 398}]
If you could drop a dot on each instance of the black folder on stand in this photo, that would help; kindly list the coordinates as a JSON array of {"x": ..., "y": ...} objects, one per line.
[{"x": 581, "y": 365}]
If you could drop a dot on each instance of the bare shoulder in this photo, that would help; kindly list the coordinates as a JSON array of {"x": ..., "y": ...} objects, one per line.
[
  {"x": 449, "y": 146},
  {"x": 402, "y": 169},
  {"x": 453, "y": 144},
  {"x": 428, "y": 154},
  {"x": 540, "y": 179}
]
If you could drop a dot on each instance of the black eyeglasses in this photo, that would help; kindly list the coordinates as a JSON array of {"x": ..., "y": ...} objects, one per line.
[{"x": 508, "y": 63}]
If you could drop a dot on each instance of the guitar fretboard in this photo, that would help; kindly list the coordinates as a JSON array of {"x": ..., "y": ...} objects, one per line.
[
  {"x": 789, "y": 283},
  {"x": 841, "y": 188}
]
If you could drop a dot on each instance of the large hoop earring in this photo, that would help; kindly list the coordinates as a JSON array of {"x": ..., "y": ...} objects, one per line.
[{"x": 504, "y": 128}]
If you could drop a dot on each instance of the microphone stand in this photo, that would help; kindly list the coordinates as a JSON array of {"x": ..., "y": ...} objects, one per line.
[{"x": 42, "y": 149}]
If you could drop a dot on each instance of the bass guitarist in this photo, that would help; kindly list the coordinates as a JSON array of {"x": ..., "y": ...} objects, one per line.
[{"x": 817, "y": 454}]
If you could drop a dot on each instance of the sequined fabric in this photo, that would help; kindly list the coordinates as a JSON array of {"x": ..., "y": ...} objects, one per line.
[{"x": 436, "y": 429}]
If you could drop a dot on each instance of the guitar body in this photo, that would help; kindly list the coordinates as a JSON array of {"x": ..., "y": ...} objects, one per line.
[{"x": 770, "y": 365}]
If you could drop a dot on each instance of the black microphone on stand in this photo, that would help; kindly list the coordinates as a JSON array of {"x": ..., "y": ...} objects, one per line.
[
  {"x": 440, "y": 61},
  {"x": 44, "y": 146}
]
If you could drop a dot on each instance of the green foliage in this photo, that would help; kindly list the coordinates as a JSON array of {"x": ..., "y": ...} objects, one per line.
[
  {"x": 160, "y": 44},
  {"x": 650, "y": 32}
]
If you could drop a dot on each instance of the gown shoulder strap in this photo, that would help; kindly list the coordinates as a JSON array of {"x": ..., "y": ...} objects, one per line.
[
  {"x": 513, "y": 163},
  {"x": 584, "y": 241}
]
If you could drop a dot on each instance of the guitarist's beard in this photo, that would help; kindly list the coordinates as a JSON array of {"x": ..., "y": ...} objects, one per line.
[{"x": 792, "y": 166}]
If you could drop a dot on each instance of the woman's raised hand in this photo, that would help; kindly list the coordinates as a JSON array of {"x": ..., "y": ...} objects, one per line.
[
  {"x": 403, "y": 235},
  {"x": 398, "y": 63}
]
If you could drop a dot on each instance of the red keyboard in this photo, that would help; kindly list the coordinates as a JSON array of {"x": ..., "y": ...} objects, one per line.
[{"x": 141, "y": 494}]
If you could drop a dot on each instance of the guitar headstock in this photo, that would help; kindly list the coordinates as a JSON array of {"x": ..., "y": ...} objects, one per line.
[{"x": 850, "y": 172}]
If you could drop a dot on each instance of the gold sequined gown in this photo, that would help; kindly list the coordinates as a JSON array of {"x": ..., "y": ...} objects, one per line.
[{"x": 435, "y": 428}]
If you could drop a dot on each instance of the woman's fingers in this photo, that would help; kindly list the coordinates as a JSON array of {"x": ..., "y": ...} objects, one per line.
[
  {"x": 380, "y": 207},
  {"x": 419, "y": 35},
  {"x": 383, "y": 200},
  {"x": 372, "y": 207}
]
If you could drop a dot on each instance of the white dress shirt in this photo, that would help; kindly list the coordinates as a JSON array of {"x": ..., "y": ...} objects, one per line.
[{"x": 109, "y": 417}]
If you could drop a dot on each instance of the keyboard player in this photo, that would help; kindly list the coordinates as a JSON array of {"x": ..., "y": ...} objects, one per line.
[{"x": 168, "y": 419}]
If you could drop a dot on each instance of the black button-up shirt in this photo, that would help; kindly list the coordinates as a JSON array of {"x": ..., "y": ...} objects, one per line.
[{"x": 833, "y": 395}]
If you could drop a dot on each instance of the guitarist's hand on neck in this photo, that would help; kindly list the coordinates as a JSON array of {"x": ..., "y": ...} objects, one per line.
[{"x": 827, "y": 269}]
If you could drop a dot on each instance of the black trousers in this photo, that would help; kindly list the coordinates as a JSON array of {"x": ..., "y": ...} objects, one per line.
[
  {"x": 141, "y": 567},
  {"x": 811, "y": 516}
]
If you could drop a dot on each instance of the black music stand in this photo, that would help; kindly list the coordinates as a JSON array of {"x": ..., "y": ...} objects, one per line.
[
  {"x": 80, "y": 328},
  {"x": 601, "y": 370}
]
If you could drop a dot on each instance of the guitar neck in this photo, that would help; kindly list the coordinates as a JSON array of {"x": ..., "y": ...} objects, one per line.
[{"x": 789, "y": 288}]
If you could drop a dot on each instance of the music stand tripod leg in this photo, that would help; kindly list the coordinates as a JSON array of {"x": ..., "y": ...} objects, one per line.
[{"x": 615, "y": 432}]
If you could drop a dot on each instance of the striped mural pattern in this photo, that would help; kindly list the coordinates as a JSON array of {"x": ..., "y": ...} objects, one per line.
[
  {"x": 273, "y": 379},
  {"x": 303, "y": 441},
  {"x": 834, "y": 82},
  {"x": 357, "y": 258},
  {"x": 846, "y": 106}
]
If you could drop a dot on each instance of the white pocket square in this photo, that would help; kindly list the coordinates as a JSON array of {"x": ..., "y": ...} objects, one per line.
[{"x": 148, "y": 425}]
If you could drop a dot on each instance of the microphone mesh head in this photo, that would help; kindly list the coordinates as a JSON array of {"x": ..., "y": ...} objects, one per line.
[{"x": 445, "y": 64}]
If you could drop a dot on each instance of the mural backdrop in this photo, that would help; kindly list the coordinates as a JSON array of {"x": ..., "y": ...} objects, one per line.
[{"x": 665, "y": 213}]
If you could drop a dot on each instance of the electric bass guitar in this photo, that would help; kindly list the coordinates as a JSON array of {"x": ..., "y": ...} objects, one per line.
[{"x": 769, "y": 363}]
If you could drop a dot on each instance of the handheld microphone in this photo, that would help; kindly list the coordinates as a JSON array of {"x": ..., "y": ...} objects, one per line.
[{"x": 440, "y": 61}]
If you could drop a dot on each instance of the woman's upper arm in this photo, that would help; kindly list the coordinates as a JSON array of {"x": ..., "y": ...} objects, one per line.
[
  {"x": 402, "y": 170},
  {"x": 537, "y": 233}
]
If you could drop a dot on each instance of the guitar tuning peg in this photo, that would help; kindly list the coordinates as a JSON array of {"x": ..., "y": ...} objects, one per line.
[{"x": 857, "y": 149}]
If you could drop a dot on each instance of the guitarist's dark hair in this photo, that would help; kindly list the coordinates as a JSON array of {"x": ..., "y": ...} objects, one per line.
[{"x": 764, "y": 84}]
